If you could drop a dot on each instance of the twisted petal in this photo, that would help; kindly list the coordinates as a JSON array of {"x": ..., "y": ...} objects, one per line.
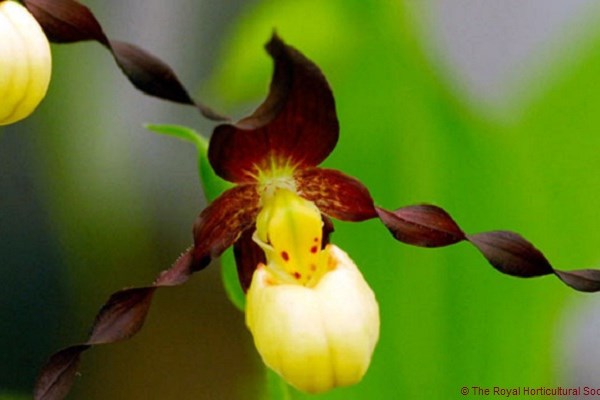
[
  {"x": 223, "y": 221},
  {"x": 121, "y": 317},
  {"x": 585, "y": 280},
  {"x": 296, "y": 125},
  {"x": 336, "y": 194},
  {"x": 508, "y": 252},
  {"x": 68, "y": 21},
  {"x": 422, "y": 225}
]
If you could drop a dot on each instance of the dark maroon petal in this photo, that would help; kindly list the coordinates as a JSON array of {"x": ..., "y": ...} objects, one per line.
[
  {"x": 57, "y": 376},
  {"x": 422, "y": 225},
  {"x": 68, "y": 21},
  {"x": 223, "y": 221},
  {"x": 328, "y": 229},
  {"x": 336, "y": 194},
  {"x": 247, "y": 257},
  {"x": 508, "y": 252},
  {"x": 584, "y": 280},
  {"x": 297, "y": 123},
  {"x": 143, "y": 68},
  {"x": 154, "y": 77},
  {"x": 120, "y": 318}
]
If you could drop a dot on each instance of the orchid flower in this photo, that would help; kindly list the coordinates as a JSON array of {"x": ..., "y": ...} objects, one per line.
[
  {"x": 25, "y": 58},
  {"x": 312, "y": 315}
]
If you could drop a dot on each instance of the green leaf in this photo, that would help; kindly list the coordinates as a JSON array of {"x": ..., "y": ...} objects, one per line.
[
  {"x": 211, "y": 183},
  {"x": 213, "y": 186},
  {"x": 230, "y": 280},
  {"x": 277, "y": 388}
]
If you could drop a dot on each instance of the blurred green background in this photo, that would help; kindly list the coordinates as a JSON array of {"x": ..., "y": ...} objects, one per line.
[{"x": 490, "y": 112}]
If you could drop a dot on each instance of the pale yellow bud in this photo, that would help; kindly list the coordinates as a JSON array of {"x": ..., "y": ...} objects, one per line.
[
  {"x": 316, "y": 337},
  {"x": 25, "y": 63}
]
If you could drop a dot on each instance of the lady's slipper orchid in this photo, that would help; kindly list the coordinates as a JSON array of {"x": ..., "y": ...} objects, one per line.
[
  {"x": 313, "y": 317},
  {"x": 25, "y": 63},
  {"x": 275, "y": 211},
  {"x": 275, "y": 216}
]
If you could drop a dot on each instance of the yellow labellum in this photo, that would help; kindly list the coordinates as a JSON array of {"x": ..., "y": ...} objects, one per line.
[
  {"x": 25, "y": 63},
  {"x": 317, "y": 338},
  {"x": 314, "y": 318}
]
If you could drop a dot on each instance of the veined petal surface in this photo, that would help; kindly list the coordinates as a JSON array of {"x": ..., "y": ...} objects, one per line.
[
  {"x": 336, "y": 194},
  {"x": 223, "y": 221},
  {"x": 295, "y": 126}
]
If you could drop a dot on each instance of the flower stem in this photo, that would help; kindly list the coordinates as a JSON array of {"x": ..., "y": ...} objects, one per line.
[{"x": 277, "y": 388}]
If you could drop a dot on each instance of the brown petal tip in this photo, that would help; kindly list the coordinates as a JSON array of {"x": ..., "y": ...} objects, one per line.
[
  {"x": 422, "y": 225},
  {"x": 57, "y": 376},
  {"x": 584, "y": 280}
]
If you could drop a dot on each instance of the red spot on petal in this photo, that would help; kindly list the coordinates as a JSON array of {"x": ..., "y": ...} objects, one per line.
[
  {"x": 313, "y": 249},
  {"x": 316, "y": 240},
  {"x": 285, "y": 256},
  {"x": 297, "y": 275}
]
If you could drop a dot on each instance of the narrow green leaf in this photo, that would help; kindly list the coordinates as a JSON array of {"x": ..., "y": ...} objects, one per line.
[
  {"x": 230, "y": 280},
  {"x": 277, "y": 388},
  {"x": 211, "y": 183},
  {"x": 213, "y": 186}
]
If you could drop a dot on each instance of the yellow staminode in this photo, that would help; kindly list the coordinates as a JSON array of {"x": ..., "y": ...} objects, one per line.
[
  {"x": 289, "y": 230},
  {"x": 25, "y": 63},
  {"x": 314, "y": 319}
]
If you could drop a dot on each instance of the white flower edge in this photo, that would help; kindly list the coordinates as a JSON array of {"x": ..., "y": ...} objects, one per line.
[
  {"x": 315, "y": 338},
  {"x": 25, "y": 63}
]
